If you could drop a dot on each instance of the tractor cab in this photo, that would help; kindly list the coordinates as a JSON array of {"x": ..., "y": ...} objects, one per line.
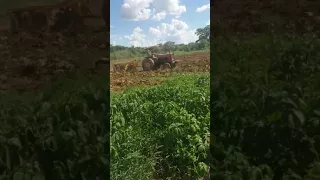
[{"x": 167, "y": 57}]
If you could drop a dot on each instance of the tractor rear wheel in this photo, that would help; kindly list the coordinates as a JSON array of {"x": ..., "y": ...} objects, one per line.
[
  {"x": 165, "y": 66},
  {"x": 147, "y": 64}
]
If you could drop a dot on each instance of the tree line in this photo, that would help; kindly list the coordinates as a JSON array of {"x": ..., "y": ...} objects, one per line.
[{"x": 203, "y": 43}]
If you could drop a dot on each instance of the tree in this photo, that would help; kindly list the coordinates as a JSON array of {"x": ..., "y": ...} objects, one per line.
[
  {"x": 168, "y": 46},
  {"x": 203, "y": 33},
  {"x": 203, "y": 44},
  {"x": 155, "y": 49},
  {"x": 133, "y": 50},
  {"x": 192, "y": 46}
]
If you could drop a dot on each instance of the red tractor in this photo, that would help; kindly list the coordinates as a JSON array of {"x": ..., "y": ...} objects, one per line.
[{"x": 156, "y": 61}]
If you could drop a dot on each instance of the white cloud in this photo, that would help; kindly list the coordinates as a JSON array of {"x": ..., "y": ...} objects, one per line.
[
  {"x": 159, "y": 16},
  {"x": 203, "y": 8},
  {"x": 136, "y": 34},
  {"x": 135, "y": 10},
  {"x": 138, "y": 10},
  {"x": 208, "y": 22},
  {"x": 111, "y": 26},
  {"x": 137, "y": 38},
  {"x": 176, "y": 31},
  {"x": 169, "y": 6},
  {"x": 155, "y": 32}
]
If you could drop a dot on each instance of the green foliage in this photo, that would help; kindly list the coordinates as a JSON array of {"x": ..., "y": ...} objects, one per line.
[
  {"x": 60, "y": 135},
  {"x": 122, "y": 52},
  {"x": 203, "y": 33},
  {"x": 314, "y": 172},
  {"x": 265, "y": 105},
  {"x": 168, "y": 46},
  {"x": 161, "y": 132}
]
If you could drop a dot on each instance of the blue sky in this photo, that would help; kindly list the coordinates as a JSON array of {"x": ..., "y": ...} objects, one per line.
[{"x": 149, "y": 22}]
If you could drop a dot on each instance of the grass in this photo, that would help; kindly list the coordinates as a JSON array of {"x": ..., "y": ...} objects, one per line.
[
  {"x": 126, "y": 56},
  {"x": 190, "y": 52},
  {"x": 160, "y": 131}
]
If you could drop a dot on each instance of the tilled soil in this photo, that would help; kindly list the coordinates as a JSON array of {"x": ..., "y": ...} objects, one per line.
[
  {"x": 190, "y": 63},
  {"x": 28, "y": 61},
  {"x": 233, "y": 17}
]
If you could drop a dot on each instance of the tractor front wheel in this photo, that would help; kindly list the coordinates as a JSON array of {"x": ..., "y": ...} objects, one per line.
[
  {"x": 147, "y": 64},
  {"x": 174, "y": 64}
]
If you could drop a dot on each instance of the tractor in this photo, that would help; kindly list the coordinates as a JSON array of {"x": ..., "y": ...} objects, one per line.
[{"x": 157, "y": 61}]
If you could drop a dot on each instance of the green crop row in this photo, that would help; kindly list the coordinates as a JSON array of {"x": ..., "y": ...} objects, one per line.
[
  {"x": 266, "y": 108},
  {"x": 157, "y": 132},
  {"x": 61, "y": 134},
  {"x": 162, "y": 131}
]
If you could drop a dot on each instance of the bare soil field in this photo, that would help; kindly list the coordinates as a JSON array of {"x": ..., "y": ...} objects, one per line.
[
  {"x": 191, "y": 63},
  {"x": 28, "y": 61}
]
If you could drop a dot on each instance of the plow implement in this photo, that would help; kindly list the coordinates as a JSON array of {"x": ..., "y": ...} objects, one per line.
[{"x": 131, "y": 66}]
